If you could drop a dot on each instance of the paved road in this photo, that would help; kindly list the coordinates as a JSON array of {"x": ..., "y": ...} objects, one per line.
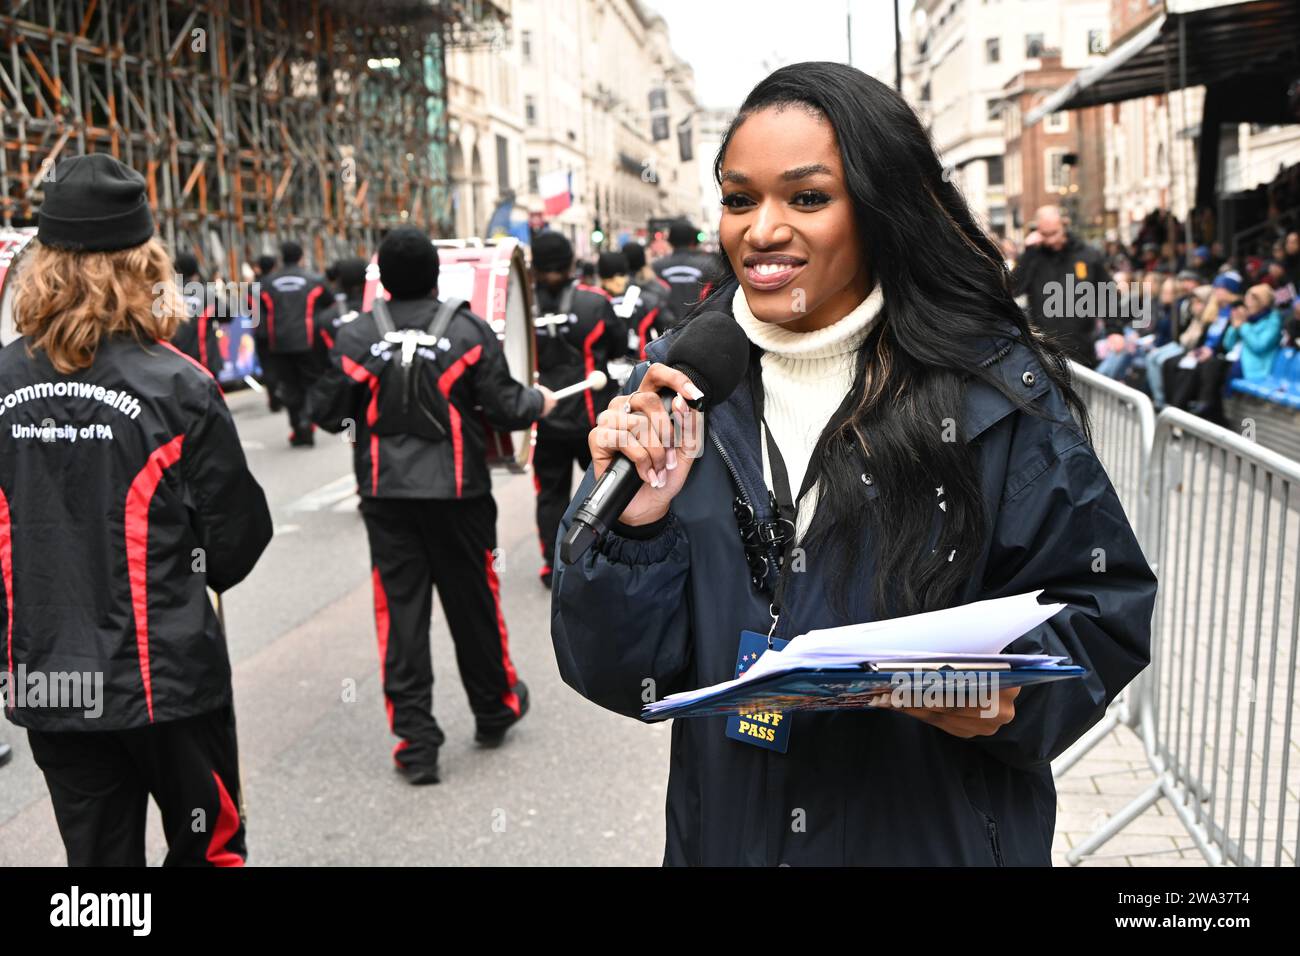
[{"x": 573, "y": 785}]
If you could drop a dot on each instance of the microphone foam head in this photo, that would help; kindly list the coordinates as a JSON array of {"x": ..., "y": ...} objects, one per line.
[{"x": 713, "y": 352}]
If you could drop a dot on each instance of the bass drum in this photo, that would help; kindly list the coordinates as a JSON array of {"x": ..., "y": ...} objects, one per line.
[
  {"x": 14, "y": 245},
  {"x": 493, "y": 278}
]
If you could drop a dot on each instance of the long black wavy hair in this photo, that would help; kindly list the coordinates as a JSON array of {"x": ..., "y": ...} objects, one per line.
[{"x": 947, "y": 296}]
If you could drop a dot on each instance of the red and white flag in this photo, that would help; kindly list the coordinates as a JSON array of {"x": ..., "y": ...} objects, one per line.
[{"x": 556, "y": 195}]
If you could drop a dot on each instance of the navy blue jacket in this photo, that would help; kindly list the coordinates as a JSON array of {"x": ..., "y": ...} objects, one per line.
[{"x": 865, "y": 787}]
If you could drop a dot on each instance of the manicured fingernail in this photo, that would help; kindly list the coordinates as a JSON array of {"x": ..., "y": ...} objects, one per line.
[
  {"x": 693, "y": 391},
  {"x": 672, "y": 458}
]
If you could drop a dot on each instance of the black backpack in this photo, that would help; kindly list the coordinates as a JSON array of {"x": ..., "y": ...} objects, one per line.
[
  {"x": 549, "y": 337},
  {"x": 409, "y": 400}
]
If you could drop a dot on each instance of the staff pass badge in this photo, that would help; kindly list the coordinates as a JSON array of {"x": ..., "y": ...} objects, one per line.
[{"x": 769, "y": 729}]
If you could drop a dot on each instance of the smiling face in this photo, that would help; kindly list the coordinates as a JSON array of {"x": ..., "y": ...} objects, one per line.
[{"x": 787, "y": 222}]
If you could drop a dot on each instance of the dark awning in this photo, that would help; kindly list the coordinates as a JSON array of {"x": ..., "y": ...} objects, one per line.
[{"x": 1225, "y": 39}]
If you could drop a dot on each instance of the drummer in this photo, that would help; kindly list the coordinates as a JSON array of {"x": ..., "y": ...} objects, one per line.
[
  {"x": 578, "y": 332},
  {"x": 645, "y": 310},
  {"x": 425, "y": 493}
]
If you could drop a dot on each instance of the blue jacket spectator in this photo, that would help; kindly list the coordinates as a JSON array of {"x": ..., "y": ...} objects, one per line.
[{"x": 1258, "y": 327}]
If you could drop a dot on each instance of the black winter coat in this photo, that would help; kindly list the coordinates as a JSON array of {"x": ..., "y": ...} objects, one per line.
[
  {"x": 198, "y": 337},
  {"x": 333, "y": 317},
  {"x": 1051, "y": 281},
  {"x": 687, "y": 272},
  {"x": 865, "y": 787},
  {"x": 109, "y": 540},
  {"x": 651, "y": 316},
  {"x": 568, "y": 353},
  {"x": 472, "y": 376},
  {"x": 287, "y": 306}
]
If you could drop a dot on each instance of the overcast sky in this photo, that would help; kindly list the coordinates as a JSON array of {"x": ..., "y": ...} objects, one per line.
[{"x": 733, "y": 45}]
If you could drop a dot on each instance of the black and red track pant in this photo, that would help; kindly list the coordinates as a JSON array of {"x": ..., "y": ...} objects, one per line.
[
  {"x": 553, "y": 459},
  {"x": 415, "y": 545},
  {"x": 100, "y": 783},
  {"x": 292, "y": 376}
]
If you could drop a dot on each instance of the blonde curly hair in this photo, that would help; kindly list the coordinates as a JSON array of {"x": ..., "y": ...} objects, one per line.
[{"x": 66, "y": 301}]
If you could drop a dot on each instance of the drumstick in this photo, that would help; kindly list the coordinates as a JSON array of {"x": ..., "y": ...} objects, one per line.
[{"x": 596, "y": 380}]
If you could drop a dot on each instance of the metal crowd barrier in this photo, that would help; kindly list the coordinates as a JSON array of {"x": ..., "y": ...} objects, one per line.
[
  {"x": 1123, "y": 431},
  {"x": 1217, "y": 707}
]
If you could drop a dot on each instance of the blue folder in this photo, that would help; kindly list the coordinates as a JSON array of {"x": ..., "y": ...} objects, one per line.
[{"x": 845, "y": 689}]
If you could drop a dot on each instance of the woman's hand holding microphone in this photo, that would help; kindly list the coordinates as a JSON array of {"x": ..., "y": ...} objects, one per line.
[
  {"x": 662, "y": 446},
  {"x": 639, "y": 427}
]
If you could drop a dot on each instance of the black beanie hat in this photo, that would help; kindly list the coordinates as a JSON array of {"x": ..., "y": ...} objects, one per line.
[
  {"x": 634, "y": 252},
  {"x": 682, "y": 234},
  {"x": 93, "y": 203},
  {"x": 186, "y": 264},
  {"x": 552, "y": 252},
  {"x": 352, "y": 272},
  {"x": 611, "y": 264},
  {"x": 408, "y": 263}
]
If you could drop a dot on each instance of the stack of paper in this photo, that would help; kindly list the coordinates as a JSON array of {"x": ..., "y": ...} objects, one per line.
[{"x": 966, "y": 638}]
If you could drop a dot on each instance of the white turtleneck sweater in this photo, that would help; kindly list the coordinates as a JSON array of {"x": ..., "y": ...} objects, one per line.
[{"x": 805, "y": 378}]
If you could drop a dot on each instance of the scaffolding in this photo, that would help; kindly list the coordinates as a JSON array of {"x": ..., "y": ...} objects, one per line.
[{"x": 252, "y": 121}]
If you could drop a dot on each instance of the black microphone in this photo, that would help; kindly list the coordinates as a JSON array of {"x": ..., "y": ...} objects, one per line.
[{"x": 712, "y": 351}]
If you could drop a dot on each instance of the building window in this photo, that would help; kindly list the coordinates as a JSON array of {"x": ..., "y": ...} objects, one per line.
[
  {"x": 1057, "y": 173},
  {"x": 503, "y": 165},
  {"x": 1033, "y": 44},
  {"x": 530, "y": 110},
  {"x": 534, "y": 174},
  {"x": 995, "y": 170},
  {"x": 993, "y": 107},
  {"x": 992, "y": 50},
  {"x": 1058, "y": 122},
  {"x": 526, "y": 45},
  {"x": 1096, "y": 42}
]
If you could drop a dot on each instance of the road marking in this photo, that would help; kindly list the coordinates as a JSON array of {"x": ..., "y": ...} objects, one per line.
[{"x": 329, "y": 496}]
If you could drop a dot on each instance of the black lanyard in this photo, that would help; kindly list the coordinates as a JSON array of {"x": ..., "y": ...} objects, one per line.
[{"x": 785, "y": 503}]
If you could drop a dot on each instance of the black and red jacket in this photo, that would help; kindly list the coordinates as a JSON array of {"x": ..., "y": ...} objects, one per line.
[
  {"x": 567, "y": 353},
  {"x": 340, "y": 311},
  {"x": 198, "y": 336},
  {"x": 288, "y": 302},
  {"x": 124, "y": 496},
  {"x": 473, "y": 377},
  {"x": 652, "y": 315},
  {"x": 688, "y": 273}
]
